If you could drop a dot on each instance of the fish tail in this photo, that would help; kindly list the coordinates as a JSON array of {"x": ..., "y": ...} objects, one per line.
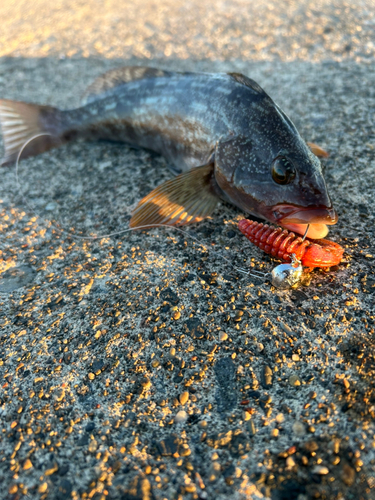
[{"x": 30, "y": 126}]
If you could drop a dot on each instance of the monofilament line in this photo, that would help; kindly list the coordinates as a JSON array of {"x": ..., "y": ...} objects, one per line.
[
  {"x": 307, "y": 230},
  {"x": 260, "y": 274}
]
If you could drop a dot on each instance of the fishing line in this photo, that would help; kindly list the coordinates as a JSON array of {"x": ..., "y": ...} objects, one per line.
[
  {"x": 257, "y": 274},
  {"x": 307, "y": 230}
]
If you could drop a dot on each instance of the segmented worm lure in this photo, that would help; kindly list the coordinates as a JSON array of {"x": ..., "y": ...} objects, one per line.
[{"x": 288, "y": 247}]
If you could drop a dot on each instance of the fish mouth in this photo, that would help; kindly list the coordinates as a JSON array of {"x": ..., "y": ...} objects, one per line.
[{"x": 296, "y": 219}]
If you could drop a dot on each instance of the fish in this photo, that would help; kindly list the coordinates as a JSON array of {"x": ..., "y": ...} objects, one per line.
[{"x": 223, "y": 134}]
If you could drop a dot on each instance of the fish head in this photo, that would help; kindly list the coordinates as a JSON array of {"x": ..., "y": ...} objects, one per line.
[
  {"x": 302, "y": 196},
  {"x": 276, "y": 178}
]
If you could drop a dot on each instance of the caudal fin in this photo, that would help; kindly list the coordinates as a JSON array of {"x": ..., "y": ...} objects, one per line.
[{"x": 21, "y": 122}]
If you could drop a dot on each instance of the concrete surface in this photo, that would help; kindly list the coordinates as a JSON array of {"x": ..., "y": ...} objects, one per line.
[{"x": 142, "y": 366}]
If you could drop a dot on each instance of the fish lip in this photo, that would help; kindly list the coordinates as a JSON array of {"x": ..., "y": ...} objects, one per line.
[{"x": 288, "y": 214}]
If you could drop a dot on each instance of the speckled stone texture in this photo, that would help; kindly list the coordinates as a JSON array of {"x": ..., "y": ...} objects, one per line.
[{"x": 143, "y": 365}]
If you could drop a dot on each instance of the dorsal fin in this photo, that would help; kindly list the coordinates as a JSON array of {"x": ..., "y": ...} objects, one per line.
[
  {"x": 248, "y": 82},
  {"x": 119, "y": 76}
]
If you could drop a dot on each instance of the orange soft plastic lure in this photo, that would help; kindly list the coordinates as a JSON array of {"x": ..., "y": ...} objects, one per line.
[{"x": 282, "y": 244}]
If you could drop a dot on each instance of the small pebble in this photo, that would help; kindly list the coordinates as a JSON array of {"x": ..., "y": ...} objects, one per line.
[
  {"x": 43, "y": 488},
  {"x": 50, "y": 206},
  {"x": 185, "y": 450},
  {"x": 321, "y": 470},
  {"x": 184, "y": 397},
  {"x": 290, "y": 463},
  {"x": 286, "y": 408},
  {"x": 259, "y": 347},
  {"x": 93, "y": 446},
  {"x": 181, "y": 417},
  {"x": 295, "y": 357},
  {"x": 214, "y": 471},
  {"x": 336, "y": 446},
  {"x": 246, "y": 415},
  {"x": 91, "y": 376},
  {"x": 299, "y": 428},
  {"x": 51, "y": 469},
  {"x": 348, "y": 475},
  {"x": 279, "y": 418},
  {"x": 223, "y": 336},
  {"x": 59, "y": 395},
  {"x": 190, "y": 488},
  {"x": 267, "y": 377},
  {"x": 145, "y": 382},
  {"x": 294, "y": 381},
  {"x": 176, "y": 315},
  {"x": 27, "y": 465},
  {"x": 251, "y": 427}
]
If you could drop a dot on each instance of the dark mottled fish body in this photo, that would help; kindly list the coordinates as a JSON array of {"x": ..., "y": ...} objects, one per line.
[
  {"x": 172, "y": 115},
  {"x": 225, "y": 125}
]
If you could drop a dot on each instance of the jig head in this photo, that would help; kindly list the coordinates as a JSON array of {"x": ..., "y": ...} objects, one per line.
[
  {"x": 285, "y": 276},
  {"x": 295, "y": 251}
]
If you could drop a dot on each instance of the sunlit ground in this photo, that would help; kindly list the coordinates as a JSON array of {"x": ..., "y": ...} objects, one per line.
[
  {"x": 255, "y": 31},
  {"x": 142, "y": 366}
]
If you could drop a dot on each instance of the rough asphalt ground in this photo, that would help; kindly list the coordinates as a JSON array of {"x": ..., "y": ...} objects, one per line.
[{"x": 143, "y": 366}]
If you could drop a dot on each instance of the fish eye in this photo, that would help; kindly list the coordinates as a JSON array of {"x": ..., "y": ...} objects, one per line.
[{"x": 283, "y": 170}]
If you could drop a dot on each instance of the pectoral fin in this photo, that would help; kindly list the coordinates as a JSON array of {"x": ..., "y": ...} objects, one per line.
[{"x": 187, "y": 198}]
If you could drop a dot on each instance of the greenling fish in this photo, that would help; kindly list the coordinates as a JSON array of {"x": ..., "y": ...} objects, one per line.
[{"x": 222, "y": 132}]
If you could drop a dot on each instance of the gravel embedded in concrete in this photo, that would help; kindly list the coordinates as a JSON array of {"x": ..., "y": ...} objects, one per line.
[{"x": 117, "y": 381}]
